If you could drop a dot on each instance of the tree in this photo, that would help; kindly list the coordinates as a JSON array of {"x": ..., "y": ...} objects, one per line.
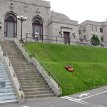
[{"x": 95, "y": 40}]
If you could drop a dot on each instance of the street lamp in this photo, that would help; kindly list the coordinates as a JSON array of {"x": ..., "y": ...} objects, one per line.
[
  {"x": 0, "y": 25},
  {"x": 22, "y": 19}
]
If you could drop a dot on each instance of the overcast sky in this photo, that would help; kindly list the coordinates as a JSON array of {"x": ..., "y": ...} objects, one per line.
[{"x": 81, "y": 10}]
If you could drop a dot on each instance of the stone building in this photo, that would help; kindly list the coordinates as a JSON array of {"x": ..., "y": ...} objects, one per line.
[
  {"x": 88, "y": 28},
  {"x": 41, "y": 22}
]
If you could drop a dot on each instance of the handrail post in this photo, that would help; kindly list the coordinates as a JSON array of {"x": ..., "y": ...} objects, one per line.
[
  {"x": 26, "y": 36},
  {"x": 56, "y": 39}
]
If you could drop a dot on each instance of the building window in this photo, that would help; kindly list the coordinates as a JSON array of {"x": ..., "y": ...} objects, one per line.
[
  {"x": 37, "y": 28},
  {"x": 84, "y": 29},
  {"x": 66, "y": 37},
  {"x": 101, "y": 30},
  {"x": 79, "y": 32},
  {"x": 92, "y": 28},
  {"x": 84, "y": 37},
  {"x": 96, "y": 29},
  {"x": 74, "y": 36},
  {"x": 10, "y": 25}
]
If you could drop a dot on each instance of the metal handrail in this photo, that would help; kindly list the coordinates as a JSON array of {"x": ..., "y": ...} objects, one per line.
[
  {"x": 54, "y": 39},
  {"x": 49, "y": 73}
]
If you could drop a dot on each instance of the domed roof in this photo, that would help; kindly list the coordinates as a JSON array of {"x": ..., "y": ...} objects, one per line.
[
  {"x": 59, "y": 15},
  {"x": 61, "y": 18}
]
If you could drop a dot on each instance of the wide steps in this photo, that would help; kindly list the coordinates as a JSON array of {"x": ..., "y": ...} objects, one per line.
[
  {"x": 7, "y": 92},
  {"x": 33, "y": 85}
]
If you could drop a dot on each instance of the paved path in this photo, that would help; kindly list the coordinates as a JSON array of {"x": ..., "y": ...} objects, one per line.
[
  {"x": 93, "y": 98},
  {"x": 48, "y": 102}
]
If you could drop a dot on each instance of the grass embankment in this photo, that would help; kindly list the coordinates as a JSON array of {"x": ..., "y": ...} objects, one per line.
[{"x": 90, "y": 65}]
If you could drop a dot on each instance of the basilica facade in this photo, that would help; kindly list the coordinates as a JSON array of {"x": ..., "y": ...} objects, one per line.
[{"x": 42, "y": 24}]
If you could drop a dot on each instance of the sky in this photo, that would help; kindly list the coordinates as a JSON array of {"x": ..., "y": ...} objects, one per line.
[{"x": 81, "y": 10}]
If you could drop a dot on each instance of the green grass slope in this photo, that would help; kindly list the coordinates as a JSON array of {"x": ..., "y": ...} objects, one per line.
[{"x": 90, "y": 65}]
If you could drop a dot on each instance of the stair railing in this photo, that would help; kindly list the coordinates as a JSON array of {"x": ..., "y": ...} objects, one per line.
[
  {"x": 49, "y": 78},
  {"x": 15, "y": 81},
  {"x": 39, "y": 62}
]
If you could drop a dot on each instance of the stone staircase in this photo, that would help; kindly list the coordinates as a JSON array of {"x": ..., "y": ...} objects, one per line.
[
  {"x": 32, "y": 84},
  {"x": 7, "y": 92}
]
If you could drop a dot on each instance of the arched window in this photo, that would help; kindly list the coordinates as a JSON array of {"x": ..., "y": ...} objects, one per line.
[
  {"x": 37, "y": 28},
  {"x": 10, "y": 25}
]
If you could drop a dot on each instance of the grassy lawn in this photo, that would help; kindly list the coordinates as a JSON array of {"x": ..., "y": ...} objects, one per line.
[{"x": 90, "y": 65}]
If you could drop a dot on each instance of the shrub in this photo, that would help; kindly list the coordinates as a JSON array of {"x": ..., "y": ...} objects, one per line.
[{"x": 95, "y": 40}]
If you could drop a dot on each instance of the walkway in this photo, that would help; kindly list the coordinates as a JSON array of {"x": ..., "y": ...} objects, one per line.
[{"x": 93, "y": 98}]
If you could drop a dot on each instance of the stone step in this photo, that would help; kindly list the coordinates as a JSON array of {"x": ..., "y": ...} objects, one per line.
[
  {"x": 17, "y": 54},
  {"x": 2, "y": 65},
  {"x": 38, "y": 92},
  {"x": 3, "y": 72},
  {"x": 32, "y": 83},
  {"x": 28, "y": 77},
  {"x": 3, "y": 101},
  {"x": 16, "y": 58},
  {"x": 21, "y": 67},
  {"x": 27, "y": 70},
  {"x": 5, "y": 78},
  {"x": 6, "y": 90},
  {"x": 34, "y": 78},
  {"x": 14, "y": 61},
  {"x": 36, "y": 88},
  {"x": 2, "y": 68},
  {"x": 7, "y": 94},
  {"x": 13, "y": 50},
  {"x": 24, "y": 65},
  {"x": 39, "y": 96},
  {"x": 8, "y": 98},
  {"x": 9, "y": 87},
  {"x": 4, "y": 75},
  {"x": 7, "y": 81},
  {"x": 28, "y": 73},
  {"x": 1, "y": 61}
]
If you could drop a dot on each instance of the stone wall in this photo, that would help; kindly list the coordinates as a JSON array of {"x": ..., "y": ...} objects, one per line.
[{"x": 27, "y": 9}]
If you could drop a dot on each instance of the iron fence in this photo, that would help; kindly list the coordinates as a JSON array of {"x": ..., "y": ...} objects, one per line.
[{"x": 49, "y": 39}]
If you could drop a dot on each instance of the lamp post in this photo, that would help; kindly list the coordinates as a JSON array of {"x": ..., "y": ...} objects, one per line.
[
  {"x": 0, "y": 25},
  {"x": 22, "y": 19}
]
